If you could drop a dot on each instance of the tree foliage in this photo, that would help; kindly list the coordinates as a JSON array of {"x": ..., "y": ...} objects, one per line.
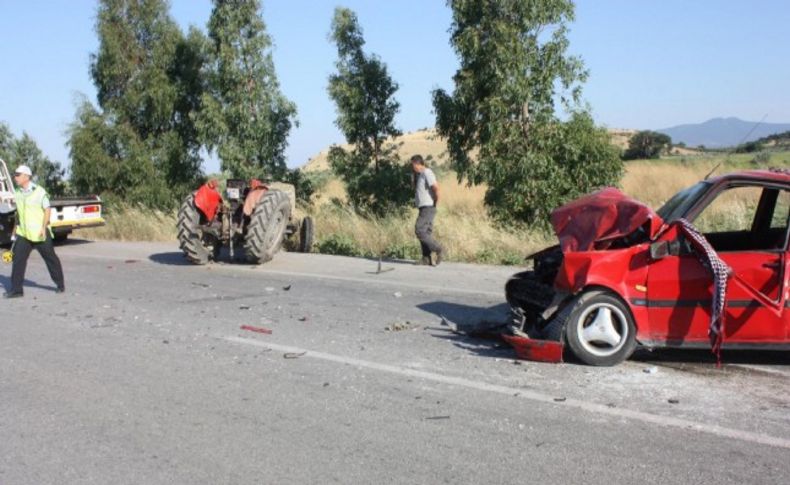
[
  {"x": 141, "y": 145},
  {"x": 245, "y": 117},
  {"x": 24, "y": 151},
  {"x": 647, "y": 144},
  {"x": 501, "y": 121},
  {"x": 363, "y": 92}
]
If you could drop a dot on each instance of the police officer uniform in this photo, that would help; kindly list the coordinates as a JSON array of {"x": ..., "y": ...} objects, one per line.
[{"x": 32, "y": 232}]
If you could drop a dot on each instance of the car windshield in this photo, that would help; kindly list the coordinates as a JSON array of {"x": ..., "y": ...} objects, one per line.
[{"x": 680, "y": 203}]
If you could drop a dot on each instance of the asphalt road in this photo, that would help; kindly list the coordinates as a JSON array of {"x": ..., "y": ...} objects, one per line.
[{"x": 141, "y": 374}]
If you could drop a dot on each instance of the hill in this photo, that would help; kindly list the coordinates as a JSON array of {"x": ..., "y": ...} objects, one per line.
[
  {"x": 428, "y": 144},
  {"x": 425, "y": 142},
  {"x": 722, "y": 132}
]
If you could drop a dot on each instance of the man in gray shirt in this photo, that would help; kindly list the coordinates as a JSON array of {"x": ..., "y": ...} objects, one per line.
[{"x": 426, "y": 197}]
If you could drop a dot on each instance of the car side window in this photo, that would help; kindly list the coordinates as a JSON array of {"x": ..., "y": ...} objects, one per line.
[
  {"x": 781, "y": 211},
  {"x": 746, "y": 218},
  {"x": 731, "y": 211}
]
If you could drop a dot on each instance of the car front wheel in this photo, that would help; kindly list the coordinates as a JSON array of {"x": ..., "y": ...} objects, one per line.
[{"x": 599, "y": 329}]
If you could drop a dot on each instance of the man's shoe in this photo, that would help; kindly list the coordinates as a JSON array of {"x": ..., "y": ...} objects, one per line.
[
  {"x": 438, "y": 258},
  {"x": 13, "y": 294},
  {"x": 425, "y": 261}
]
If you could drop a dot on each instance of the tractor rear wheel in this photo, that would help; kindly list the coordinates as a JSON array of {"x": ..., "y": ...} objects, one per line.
[
  {"x": 190, "y": 234},
  {"x": 266, "y": 230}
]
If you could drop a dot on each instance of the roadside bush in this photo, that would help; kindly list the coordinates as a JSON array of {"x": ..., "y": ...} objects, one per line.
[{"x": 339, "y": 245}]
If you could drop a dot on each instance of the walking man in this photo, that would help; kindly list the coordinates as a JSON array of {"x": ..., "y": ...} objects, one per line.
[
  {"x": 32, "y": 231},
  {"x": 426, "y": 197}
]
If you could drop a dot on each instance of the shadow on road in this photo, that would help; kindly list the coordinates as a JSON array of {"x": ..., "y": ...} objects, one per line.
[
  {"x": 71, "y": 242},
  {"x": 671, "y": 357},
  {"x": 6, "y": 282},
  {"x": 470, "y": 318},
  {"x": 171, "y": 258}
]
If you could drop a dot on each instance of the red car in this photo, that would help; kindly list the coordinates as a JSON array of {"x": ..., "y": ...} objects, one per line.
[{"x": 624, "y": 275}]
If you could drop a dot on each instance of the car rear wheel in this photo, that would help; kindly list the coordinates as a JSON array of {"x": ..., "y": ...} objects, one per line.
[{"x": 598, "y": 328}]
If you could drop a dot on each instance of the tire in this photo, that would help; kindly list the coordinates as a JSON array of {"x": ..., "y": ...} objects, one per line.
[
  {"x": 597, "y": 328},
  {"x": 306, "y": 235},
  {"x": 266, "y": 230},
  {"x": 190, "y": 235}
]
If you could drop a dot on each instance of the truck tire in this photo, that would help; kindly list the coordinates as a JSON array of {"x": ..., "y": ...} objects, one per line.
[
  {"x": 266, "y": 230},
  {"x": 306, "y": 235},
  {"x": 190, "y": 235}
]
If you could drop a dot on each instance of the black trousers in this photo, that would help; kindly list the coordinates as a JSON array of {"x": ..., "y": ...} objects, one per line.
[
  {"x": 423, "y": 228},
  {"x": 22, "y": 249}
]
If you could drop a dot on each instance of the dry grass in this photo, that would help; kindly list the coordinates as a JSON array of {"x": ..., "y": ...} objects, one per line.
[
  {"x": 127, "y": 223},
  {"x": 462, "y": 226}
]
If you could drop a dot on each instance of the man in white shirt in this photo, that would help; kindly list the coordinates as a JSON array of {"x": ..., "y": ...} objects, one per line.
[{"x": 426, "y": 197}]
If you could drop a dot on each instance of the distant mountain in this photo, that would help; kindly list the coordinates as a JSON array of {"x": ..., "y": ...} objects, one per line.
[{"x": 723, "y": 132}]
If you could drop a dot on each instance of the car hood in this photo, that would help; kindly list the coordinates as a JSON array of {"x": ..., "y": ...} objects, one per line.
[{"x": 601, "y": 216}]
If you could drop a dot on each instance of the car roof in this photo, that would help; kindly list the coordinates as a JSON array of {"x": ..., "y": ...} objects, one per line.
[{"x": 763, "y": 175}]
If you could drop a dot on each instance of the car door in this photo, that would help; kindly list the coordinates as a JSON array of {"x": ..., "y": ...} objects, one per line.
[{"x": 746, "y": 224}]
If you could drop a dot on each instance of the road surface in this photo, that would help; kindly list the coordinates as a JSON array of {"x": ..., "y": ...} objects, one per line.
[{"x": 140, "y": 373}]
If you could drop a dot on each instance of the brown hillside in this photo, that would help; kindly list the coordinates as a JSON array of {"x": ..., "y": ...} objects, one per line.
[{"x": 428, "y": 144}]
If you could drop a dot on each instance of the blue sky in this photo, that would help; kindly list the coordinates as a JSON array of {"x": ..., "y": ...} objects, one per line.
[{"x": 652, "y": 64}]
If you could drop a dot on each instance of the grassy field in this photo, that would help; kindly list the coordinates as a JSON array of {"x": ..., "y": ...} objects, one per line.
[{"x": 462, "y": 224}]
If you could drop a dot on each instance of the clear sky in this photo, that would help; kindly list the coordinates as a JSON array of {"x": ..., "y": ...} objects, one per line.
[{"x": 652, "y": 64}]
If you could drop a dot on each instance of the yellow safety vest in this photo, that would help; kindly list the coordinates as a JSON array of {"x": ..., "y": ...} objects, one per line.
[{"x": 30, "y": 213}]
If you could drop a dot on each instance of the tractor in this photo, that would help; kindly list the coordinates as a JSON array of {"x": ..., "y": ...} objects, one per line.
[{"x": 254, "y": 216}]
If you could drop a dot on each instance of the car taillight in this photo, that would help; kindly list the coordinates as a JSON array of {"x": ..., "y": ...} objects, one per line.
[{"x": 90, "y": 209}]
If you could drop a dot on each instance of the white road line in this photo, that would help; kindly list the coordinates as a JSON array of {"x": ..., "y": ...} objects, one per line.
[{"x": 757, "y": 438}]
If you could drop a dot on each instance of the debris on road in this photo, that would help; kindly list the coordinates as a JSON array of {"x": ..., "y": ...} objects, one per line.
[
  {"x": 397, "y": 327},
  {"x": 293, "y": 355},
  {"x": 131, "y": 261},
  {"x": 560, "y": 399},
  {"x": 537, "y": 350},
  {"x": 201, "y": 285},
  {"x": 244, "y": 307},
  {"x": 397, "y": 294},
  {"x": 437, "y": 417},
  {"x": 673, "y": 401},
  {"x": 286, "y": 287},
  {"x": 256, "y": 329},
  {"x": 302, "y": 319},
  {"x": 650, "y": 370}
]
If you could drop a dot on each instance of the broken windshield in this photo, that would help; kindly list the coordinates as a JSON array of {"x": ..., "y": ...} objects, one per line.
[{"x": 681, "y": 202}]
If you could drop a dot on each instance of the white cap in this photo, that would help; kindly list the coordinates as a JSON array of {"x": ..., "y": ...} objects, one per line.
[{"x": 24, "y": 169}]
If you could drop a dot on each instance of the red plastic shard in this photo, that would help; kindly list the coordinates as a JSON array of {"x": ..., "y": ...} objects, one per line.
[
  {"x": 537, "y": 350},
  {"x": 256, "y": 329}
]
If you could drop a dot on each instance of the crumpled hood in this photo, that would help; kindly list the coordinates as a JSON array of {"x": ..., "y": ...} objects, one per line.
[{"x": 603, "y": 215}]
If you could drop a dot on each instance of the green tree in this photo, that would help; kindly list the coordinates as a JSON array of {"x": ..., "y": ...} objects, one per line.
[
  {"x": 647, "y": 144},
  {"x": 25, "y": 151},
  {"x": 245, "y": 117},
  {"x": 363, "y": 92},
  {"x": 148, "y": 80},
  {"x": 501, "y": 121}
]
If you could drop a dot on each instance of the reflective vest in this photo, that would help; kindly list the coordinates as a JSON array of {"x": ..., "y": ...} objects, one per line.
[{"x": 30, "y": 213}]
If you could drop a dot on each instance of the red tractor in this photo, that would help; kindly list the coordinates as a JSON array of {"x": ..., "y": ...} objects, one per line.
[{"x": 254, "y": 216}]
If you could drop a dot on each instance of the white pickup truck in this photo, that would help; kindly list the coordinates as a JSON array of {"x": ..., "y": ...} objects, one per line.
[{"x": 68, "y": 213}]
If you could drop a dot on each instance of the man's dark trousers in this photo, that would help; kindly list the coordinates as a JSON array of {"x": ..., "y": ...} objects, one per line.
[
  {"x": 424, "y": 231},
  {"x": 22, "y": 249}
]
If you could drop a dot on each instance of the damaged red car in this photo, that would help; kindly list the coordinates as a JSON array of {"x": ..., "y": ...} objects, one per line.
[{"x": 709, "y": 268}]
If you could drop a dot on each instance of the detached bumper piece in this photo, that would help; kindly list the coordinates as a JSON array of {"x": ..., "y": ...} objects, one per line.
[{"x": 535, "y": 350}]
